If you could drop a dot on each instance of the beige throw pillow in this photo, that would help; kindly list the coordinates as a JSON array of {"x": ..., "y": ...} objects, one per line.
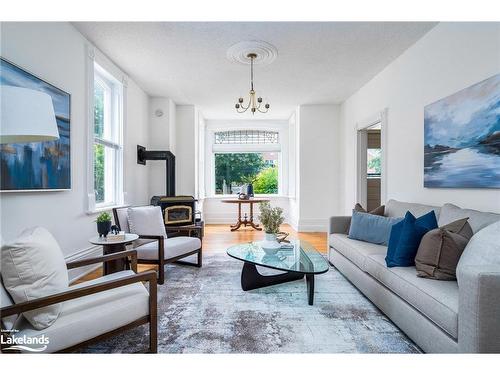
[
  {"x": 379, "y": 211},
  {"x": 33, "y": 266},
  {"x": 440, "y": 250}
]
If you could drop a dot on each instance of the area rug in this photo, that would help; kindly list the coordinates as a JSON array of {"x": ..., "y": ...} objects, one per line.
[{"x": 205, "y": 311}]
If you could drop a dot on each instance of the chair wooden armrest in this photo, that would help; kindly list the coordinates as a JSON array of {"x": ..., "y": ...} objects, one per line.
[
  {"x": 148, "y": 276},
  {"x": 161, "y": 254},
  {"x": 104, "y": 258}
]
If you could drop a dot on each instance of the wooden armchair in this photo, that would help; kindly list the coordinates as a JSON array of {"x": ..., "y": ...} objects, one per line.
[
  {"x": 157, "y": 248},
  {"x": 93, "y": 310}
]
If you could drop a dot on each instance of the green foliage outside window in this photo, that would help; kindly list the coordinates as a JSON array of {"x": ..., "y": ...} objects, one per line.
[
  {"x": 236, "y": 169},
  {"x": 99, "y": 173},
  {"x": 98, "y": 149}
]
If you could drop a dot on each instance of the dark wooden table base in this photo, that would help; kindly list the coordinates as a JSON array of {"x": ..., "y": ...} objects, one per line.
[
  {"x": 252, "y": 279},
  {"x": 245, "y": 221},
  {"x": 117, "y": 264}
]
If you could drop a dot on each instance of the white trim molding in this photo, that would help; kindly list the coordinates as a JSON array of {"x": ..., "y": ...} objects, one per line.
[{"x": 361, "y": 139}]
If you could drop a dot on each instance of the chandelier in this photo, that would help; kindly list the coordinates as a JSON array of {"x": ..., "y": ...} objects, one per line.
[{"x": 254, "y": 104}]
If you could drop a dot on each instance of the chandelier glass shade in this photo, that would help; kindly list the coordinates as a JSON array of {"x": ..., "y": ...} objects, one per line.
[{"x": 254, "y": 103}]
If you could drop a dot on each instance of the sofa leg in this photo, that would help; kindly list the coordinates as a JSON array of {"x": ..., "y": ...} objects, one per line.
[{"x": 200, "y": 257}]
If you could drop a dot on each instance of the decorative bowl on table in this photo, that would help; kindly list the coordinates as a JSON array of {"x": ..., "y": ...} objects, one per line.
[{"x": 270, "y": 245}]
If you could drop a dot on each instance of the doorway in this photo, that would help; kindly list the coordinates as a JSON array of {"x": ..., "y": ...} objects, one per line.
[{"x": 371, "y": 156}]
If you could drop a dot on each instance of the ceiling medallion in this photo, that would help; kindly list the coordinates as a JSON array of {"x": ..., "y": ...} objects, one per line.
[{"x": 253, "y": 52}]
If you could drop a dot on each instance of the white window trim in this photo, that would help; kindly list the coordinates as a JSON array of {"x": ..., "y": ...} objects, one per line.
[
  {"x": 113, "y": 74},
  {"x": 211, "y": 148}
]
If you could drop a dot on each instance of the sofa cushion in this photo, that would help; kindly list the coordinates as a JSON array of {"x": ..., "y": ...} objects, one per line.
[
  {"x": 174, "y": 247},
  {"x": 405, "y": 239},
  {"x": 84, "y": 318},
  {"x": 33, "y": 266},
  {"x": 441, "y": 248},
  {"x": 482, "y": 250},
  {"x": 477, "y": 219},
  {"x": 354, "y": 250},
  {"x": 436, "y": 299},
  {"x": 371, "y": 228},
  {"x": 146, "y": 220},
  {"x": 394, "y": 208}
]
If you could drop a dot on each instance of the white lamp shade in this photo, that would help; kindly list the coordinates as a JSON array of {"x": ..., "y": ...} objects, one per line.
[{"x": 27, "y": 116}]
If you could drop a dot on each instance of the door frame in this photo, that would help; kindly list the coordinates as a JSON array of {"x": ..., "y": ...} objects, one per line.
[{"x": 361, "y": 146}]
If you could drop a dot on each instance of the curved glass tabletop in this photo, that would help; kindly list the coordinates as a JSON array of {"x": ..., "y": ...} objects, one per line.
[{"x": 302, "y": 258}]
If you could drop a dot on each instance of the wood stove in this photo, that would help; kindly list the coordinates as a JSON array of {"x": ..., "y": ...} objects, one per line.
[{"x": 176, "y": 209}]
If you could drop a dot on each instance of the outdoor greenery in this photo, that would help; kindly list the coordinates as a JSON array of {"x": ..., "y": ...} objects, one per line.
[
  {"x": 98, "y": 149},
  {"x": 244, "y": 168},
  {"x": 271, "y": 217},
  {"x": 374, "y": 161},
  {"x": 103, "y": 217},
  {"x": 266, "y": 181}
]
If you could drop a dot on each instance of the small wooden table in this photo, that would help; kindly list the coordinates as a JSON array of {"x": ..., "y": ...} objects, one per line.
[
  {"x": 245, "y": 221},
  {"x": 110, "y": 247}
]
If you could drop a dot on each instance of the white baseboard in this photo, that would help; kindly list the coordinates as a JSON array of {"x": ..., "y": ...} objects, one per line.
[
  {"x": 312, "y": 225},
  {"x": 89, "y": 252}
]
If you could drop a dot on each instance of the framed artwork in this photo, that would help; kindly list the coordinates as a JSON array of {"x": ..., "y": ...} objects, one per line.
[
  {"x": 37, "y": 165},
  {"x": 462, "y": 138}
]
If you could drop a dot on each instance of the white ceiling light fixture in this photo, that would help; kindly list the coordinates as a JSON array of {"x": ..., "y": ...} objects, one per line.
[{"x": 252, "y": 52}]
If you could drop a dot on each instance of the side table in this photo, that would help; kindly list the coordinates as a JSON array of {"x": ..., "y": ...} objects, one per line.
[
  {"x": 113, "y": 246},
  {"x": 245, "y": 221}
]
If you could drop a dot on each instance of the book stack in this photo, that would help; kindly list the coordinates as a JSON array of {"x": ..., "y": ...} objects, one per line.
[{"x": 120, "y": 236}]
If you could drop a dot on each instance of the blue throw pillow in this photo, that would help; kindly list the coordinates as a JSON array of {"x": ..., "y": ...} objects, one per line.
[
  {"x": 405, "y": 238},
  {"x": 371, "y": 228}
]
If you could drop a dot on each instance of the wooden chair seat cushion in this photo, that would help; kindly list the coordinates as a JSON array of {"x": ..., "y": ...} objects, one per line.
[{"x": 174, "y": 247}]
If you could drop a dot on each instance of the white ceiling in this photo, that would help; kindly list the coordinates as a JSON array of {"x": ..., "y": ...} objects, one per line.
[{"x": 318, "y": 62}]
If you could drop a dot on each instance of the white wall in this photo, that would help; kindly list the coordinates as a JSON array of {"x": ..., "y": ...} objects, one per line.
[
  {"x": 159, "y": 139},
  {"x": 185, "y": 145},
  {"x": 319, "y": 165},
  {"x": 452, "y": 56},
  {"x": 56, "y": 53}
]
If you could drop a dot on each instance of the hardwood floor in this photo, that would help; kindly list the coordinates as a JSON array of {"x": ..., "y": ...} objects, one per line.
[{"x": 218, "y": 238}]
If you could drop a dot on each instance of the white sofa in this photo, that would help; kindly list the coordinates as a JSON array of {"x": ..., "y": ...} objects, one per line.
[{"x": 439, "y": 316}]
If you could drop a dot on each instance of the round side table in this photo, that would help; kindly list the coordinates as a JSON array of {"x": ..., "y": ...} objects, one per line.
[{"x": 113, "y": 246}]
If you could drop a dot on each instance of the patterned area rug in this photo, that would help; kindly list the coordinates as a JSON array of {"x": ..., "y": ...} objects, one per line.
[{"x": 205, "y": 311}]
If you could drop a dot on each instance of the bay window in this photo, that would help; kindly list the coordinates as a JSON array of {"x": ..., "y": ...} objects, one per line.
[{"x": 241, "y": 157}]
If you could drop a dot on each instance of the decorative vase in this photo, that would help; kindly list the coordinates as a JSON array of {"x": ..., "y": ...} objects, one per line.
[
  {"x": 103, "y": 228},
  {"x": 270, "y": 245},
  {"x": 250, "y": 190}
]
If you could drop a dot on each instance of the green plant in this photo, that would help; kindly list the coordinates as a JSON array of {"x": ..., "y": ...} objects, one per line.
[
  {"x": 266, "y": 181},
  {"x": 103, "y": 217},
  {"x": 271, "y": 217}
]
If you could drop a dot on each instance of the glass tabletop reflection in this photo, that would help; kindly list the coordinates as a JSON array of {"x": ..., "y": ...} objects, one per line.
[{"x": 303, "y": 257}]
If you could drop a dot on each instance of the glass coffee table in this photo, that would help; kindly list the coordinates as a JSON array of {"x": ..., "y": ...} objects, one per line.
[{"x": 301, "y": 260}]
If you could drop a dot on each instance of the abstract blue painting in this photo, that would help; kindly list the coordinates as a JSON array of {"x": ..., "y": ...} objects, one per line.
[
  {"x": 37, "y": 165},
  {"x": 462, "y": 138}
]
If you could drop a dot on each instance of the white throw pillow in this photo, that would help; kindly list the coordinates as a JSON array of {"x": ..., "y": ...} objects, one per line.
[
  {"x": 33, "y": 266},
  {"x": 146, "y": 220}
]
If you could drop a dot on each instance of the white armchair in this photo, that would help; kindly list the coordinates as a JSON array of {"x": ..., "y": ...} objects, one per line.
[
  {"x": 153, "y": 246},
  {"x": 90, "y": 311}
]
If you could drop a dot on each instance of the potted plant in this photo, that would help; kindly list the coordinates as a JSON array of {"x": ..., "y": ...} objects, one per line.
[
  {"x": 103, "y": 224},
  {"x": 271, "y": 218}
]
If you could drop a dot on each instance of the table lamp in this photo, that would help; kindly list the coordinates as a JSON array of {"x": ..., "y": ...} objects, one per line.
[{"x": 26, "y": 116}]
